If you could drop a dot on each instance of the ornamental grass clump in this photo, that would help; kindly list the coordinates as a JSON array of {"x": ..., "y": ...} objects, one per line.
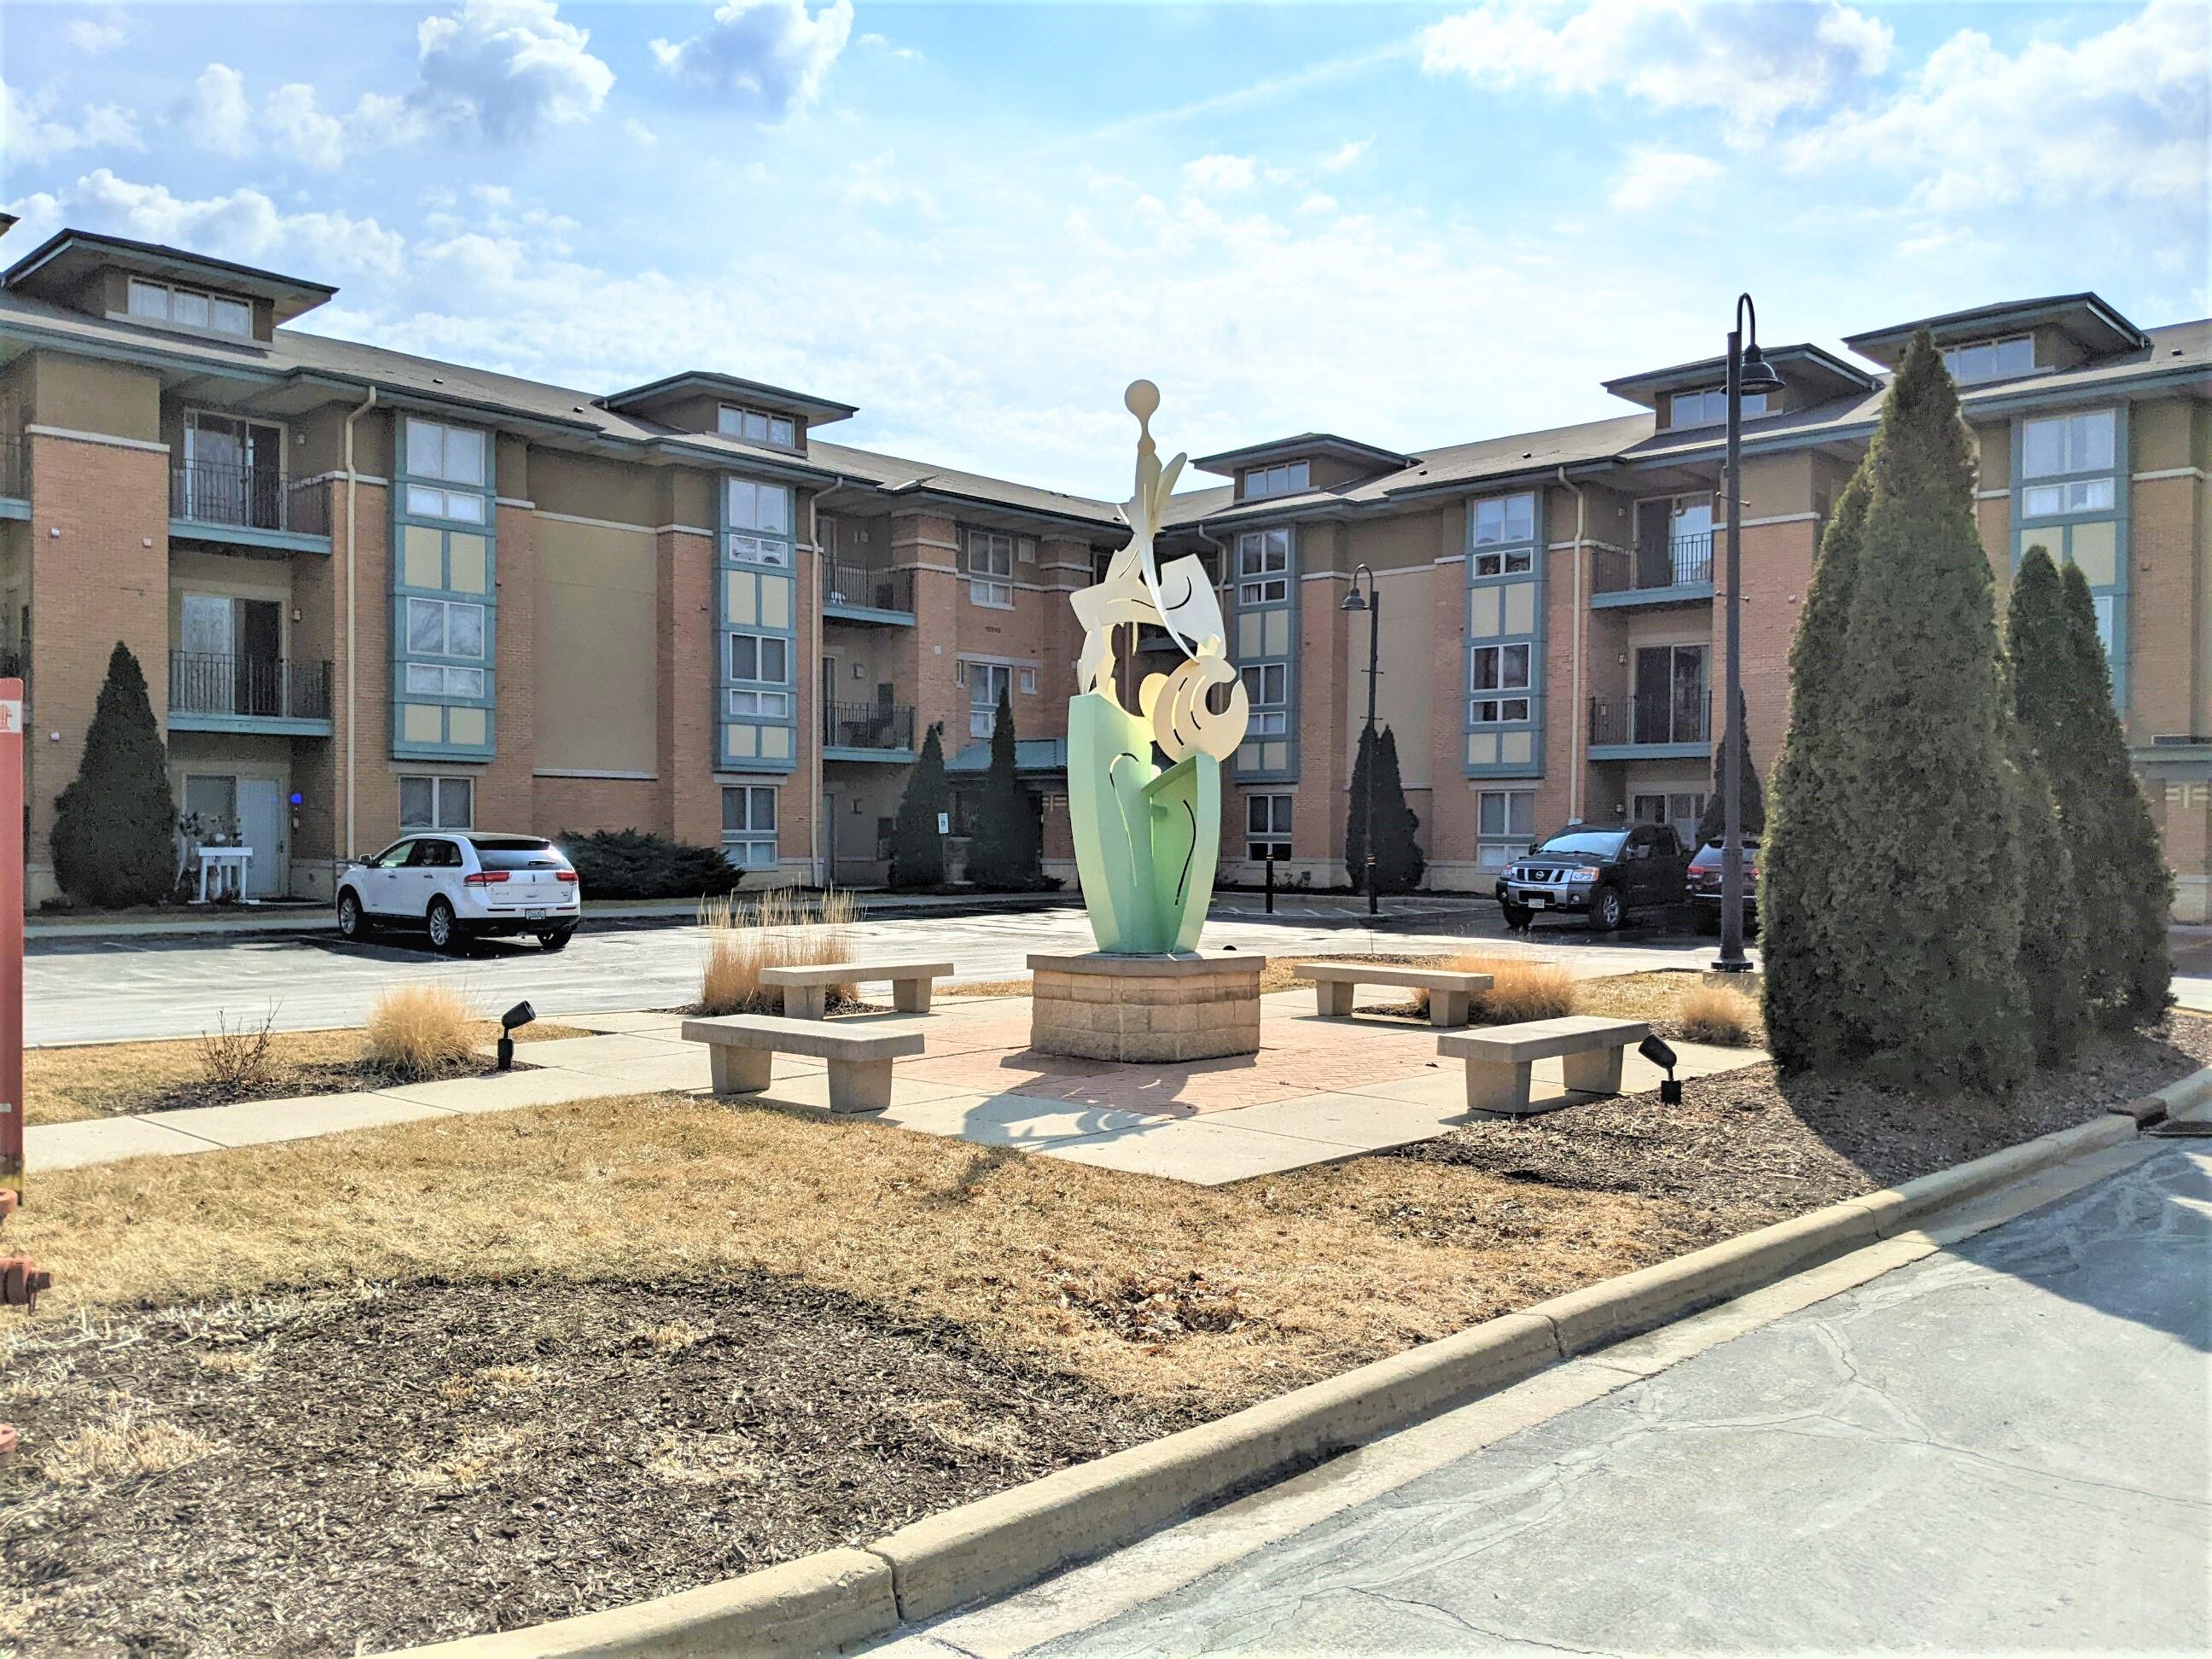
[
  {"x": 419, "y": 1031},
  {"x": 1519, "y": 989},
  {"x": 777, "y": 930},
  {"x": 1720, "y": 1014}
]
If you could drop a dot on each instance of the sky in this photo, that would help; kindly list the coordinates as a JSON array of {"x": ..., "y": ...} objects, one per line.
[{"x": 1413, "y": 225}]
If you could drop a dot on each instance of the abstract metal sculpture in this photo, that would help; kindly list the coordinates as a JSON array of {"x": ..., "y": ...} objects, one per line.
[{"x": 1146, "y": 840}]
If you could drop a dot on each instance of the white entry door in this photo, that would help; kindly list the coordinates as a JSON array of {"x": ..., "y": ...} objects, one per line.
[{"x": 263, "y": 819}]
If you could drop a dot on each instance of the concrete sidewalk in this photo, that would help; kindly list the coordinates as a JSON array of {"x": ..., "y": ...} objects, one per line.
[{"x": 2001, "y": 1446}]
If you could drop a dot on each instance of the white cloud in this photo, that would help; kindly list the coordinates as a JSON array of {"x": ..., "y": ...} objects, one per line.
[
  {"x": 1750, "y": 62},
  {"x": 243, "y": 225},
  {"x": 219, "y": 116},
  {"x": 873, "y": 184},
  {"x": 303, "y": 131},
  {"x": 1345, "y": 154},
  {"x": 881, "y": 42},
  {"x": 1656, "y": 178},
  {"x": 508, "y": 69},
  {"x": 216, "y": 114},
  {"x": 768, "y": 57},
  {"x": 29, "y": 132},
  {"x": 2119, "y": 115},
  {"x": 87, "y": 35},
  {"x": 1318, "y": 201},
  {"x": 1219, "y": 175},
  {"x": 640, "y": 134}
]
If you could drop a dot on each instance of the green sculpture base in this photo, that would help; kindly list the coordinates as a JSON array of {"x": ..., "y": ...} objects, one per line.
[
  {"x": 1149, "y": 1010},
  {"x": 1146, "y": 841}
]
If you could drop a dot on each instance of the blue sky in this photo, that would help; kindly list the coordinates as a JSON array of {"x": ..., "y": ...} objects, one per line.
[{"x": 1411, "y": 225}]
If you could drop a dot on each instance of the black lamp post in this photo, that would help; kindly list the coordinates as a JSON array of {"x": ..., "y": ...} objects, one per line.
[
  {"x": 1372, "y": 605},
  {"x": 1747, "y": 371}
]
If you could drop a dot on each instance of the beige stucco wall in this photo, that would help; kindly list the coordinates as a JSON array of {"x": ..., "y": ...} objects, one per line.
[
  {"x": 86, "y": 394},
  {"x": 595, "y": 648}
]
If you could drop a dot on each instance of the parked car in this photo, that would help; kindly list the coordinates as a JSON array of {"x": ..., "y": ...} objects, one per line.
[
  {"x": 463, "y": 886},
  {"x": 1705, "y": 888},
  {"x": 1603, "y": 874}
]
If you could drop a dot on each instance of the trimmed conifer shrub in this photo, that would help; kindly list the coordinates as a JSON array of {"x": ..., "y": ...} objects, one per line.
[
  {"x": 1002, "y": 848},
  {"x": 636, "y": 864},
  {"x": 1928, "y": 880},
  {"x": 114, "y": 838},
  {"x": 917, "y": 849},
  {"x": 1399, "y": 861},
  {"x": 2062, "y": 693},
  {"x": 1710, "y": 824},
  {"x": 1355, "y": 818},
  {"x": 1797, "y": 895}
]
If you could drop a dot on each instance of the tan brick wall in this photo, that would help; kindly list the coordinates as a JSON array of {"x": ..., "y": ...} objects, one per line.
[
  {"x": 685, "y": 732},
  {"x": 590, "y": 804},
  {"x": 2170, "y": 558}
]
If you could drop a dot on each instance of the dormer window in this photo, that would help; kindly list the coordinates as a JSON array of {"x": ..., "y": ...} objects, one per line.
[
  {"x": 758, "y": 426},
  {"x": 1710, "y": 407},
  {"x": 1283, "y": 478},
  {"x": 190, "y": 308},
  {"x": 1991, "y": 360}
]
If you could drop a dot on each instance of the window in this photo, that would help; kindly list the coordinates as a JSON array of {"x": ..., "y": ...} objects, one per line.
[
  {"x": 2082, "y": 496},
  {"x": 763, "y": 657},
  {"x": 1505, "y": 824},
  {"x": 1267, "y": 828},
  {"x": 1263, "y": 564},
  {"x": 758, "y": 426},
  {"x": 1493, "y": 668},
  {"x": 1283, "y": 478},
  {"x": 984, "y": 680},
  {"x": 189, "y": 308},
  {"x": 427, "y": 802},
  {"x": 1991, "y": 360},
  {"x": 430, "y": 679},
  {"x": 758, "y": 520},
  {"x": 749, "y": 825},
  {"x": 454, "y": 455},
  {"x": 1710, "y": 407},
  {"x": 991, "y": 568},
  {"x": 1267, "y": 689},
  {"x": 1504, "y": 519},
  {"x": 2067, "y": 443},
  {"x": 1029, "y": 682},
  {"x": 443, "y": 627}
]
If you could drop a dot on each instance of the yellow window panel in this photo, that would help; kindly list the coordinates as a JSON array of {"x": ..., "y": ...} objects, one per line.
[
  {"x": 422, "y": 556},
  {"x": 421, "y": 722},
  {"x": 468, "y": 563},
  {"x": 774, "y": 601},
  {"x": 466, "y": 727}
]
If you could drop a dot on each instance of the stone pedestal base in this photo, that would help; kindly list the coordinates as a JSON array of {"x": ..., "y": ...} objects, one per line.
[{"x": 1147, "y": 1009}]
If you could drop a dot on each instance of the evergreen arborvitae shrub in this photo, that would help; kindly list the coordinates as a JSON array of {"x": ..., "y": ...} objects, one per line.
[
  {"x": 1002, "y": 849},
  {"x": 2054, "y": 934},
  {"x": 2062, "y": 691},
  {"x": 1926, "y": 880},
  {"x": 1797, "y": 864},
  {"x": 114, "y": 838},
  {"x": 917, "y": 850},
  {"x": 1399, "y": 862},
  {"x": 1355, "y": 821},
  {"x": 1754, "y": 816},
  {"x": 635, "y": 864}
]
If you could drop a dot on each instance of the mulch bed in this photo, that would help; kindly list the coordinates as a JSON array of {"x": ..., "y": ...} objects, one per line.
[
  {"x": 335, "y": 1077},
  {"x": 416, "y": 1461},
  {"x": 1748, "y": 1147}
]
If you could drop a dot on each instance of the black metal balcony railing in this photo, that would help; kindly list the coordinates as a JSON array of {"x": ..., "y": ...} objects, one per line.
[
  {"x": 1678, "y": 561},
  {"x": 14, "y": 466},
  {"x": 267, "y": 688},
  {"x": 251, "y": 498},
  {"x": 867, "y": 726},
  {"x": 872, "y": 590},
  {"x": 1659, "y": 717}
]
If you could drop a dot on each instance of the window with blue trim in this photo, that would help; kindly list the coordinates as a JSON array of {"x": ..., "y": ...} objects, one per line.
[
  {"x": 1505, "y": 668},
  {"x": 1265, "y": 563},
  {"x": 756, "y": 707},
  {"x": 444, "y": 605}
]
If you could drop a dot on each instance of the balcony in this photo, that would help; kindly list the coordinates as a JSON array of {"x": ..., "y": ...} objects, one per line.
[
  {"x": 15, "y": 477},
  {"x": 269, "y": 695},
  {"x": 857, "y": 593},
  {"x": 1675, "y": 570},
  {"x": 880, "y": 732},
  {"x": 1657, "y": 726},
  {"x": 248, "y": 505}
]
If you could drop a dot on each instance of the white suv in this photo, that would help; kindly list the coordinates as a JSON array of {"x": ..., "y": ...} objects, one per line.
[{"x": 462, "y": 887}]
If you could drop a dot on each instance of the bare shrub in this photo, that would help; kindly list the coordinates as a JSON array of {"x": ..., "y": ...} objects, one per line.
[
  {"x": 1519, "y": 989},
  {"x": 420, "y": 1031},
  {"x": 776, "y": 930},
  {"x": 1722, "y": 1014},
  {"x": 240, "y": 1059}
]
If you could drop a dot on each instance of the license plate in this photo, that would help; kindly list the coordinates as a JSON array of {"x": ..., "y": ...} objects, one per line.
[
  {"x": 1536, "y": 901},
  {"x": 533, "y": 915}
]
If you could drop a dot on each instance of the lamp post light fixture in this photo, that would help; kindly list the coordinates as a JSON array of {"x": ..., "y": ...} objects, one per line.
[
  {"x": 1372, "y": 605},
  {"x": 1747, "y": 371}
]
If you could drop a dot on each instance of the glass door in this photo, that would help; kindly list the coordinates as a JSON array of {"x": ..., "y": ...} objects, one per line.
[{"x": 204, "y": 680}]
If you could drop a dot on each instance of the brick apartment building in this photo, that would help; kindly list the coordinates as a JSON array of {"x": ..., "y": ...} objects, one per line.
[{"x": 373, "y": 591}]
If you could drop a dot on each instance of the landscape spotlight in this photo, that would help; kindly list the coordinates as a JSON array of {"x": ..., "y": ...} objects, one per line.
[
  {"x": 515, "y": 1018},
  {"x": 1670, "y": 1090}
]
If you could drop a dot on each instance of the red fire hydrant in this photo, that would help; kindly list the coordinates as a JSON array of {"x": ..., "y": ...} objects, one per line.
[{"x": 20, "y": 1279}]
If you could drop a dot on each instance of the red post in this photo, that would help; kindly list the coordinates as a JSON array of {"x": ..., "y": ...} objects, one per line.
[{"x": 11, "y": 936}]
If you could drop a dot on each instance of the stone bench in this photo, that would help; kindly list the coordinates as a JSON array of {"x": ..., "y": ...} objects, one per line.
[
  {"x": 806, "y": 989},
  {"x": 1450, "y": 992},
  {"x": 744, "y": 1047},
  {"x": 1590, "y": 1047}
]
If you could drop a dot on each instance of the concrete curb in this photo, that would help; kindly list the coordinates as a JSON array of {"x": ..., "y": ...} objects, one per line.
[
  {"x": 1015, "y": 1537},
  {"x": 2188, "y": 1101}
]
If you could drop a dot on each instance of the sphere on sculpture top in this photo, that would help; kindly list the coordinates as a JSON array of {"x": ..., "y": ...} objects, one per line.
[{"x": 1142, "y": 399}]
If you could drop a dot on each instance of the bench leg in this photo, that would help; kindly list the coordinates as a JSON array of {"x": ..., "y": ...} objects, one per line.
[
  {"x": 911, "y": 996},
  {"x": 805, "y": 1001},
  {"x": 1332, "y": 996},
  {"x": 740, "y": 1071},
  {"x": 860, "y": 1086},
  {"x": 1593, "y": 1071},
  {"x": 1497, "y": 1085},
  {"x": 1448, "y": 1007}
]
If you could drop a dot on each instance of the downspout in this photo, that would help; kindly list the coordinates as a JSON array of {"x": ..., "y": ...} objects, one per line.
[
  {"x": 1582, "y": 625},
  {"x": 353, "y": 715}
]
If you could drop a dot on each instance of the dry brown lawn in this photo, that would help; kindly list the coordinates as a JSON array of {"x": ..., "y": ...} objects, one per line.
[
  {"x": 1152, "y": 1289},
  {"x": 61, "y": 1086}
]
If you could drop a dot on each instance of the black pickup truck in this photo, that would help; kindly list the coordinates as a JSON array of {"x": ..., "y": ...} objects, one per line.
[{"x": 1601, "y": 874}]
